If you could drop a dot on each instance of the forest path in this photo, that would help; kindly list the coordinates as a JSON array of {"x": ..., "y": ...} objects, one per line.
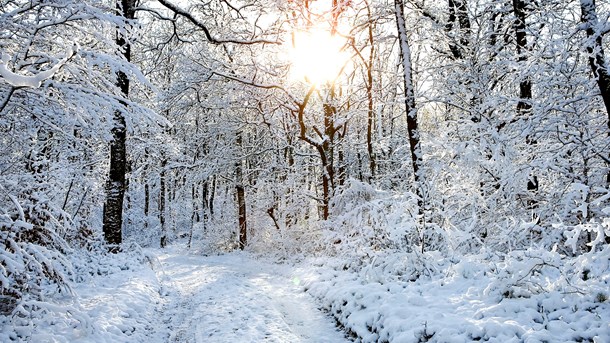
[{"x": 234, "y": 298}]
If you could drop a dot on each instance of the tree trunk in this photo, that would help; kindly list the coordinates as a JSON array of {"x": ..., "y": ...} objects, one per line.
[
  {"x": 205, "y": 205},
  {"x": 210, "y": 203},
  {"x": 524, "y": 107},
  {"x": 194, "y": 201},
  {"x": 525, "y": 86},
  {"x": 146, "y": 203},
  {"x": 341, "y": 165},
  {"x": 194, "y": 213},
  {"x": 116, "y": 182},
  {"x": 326, "y": 152},
  {"x": 597, "y": 58},
  {"x": 412, "y": 125},
  {"x": 369, "y": 94},
  {"x": 241, "y": 198},
  {"x": 458, "y": 15},
  {"x": 162, "y": 196}
]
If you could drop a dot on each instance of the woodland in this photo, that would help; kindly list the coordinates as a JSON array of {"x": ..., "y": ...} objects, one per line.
[{"x": 393, "y": 142}]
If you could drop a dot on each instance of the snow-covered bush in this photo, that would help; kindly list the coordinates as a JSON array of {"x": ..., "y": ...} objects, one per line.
[
  {"x": 365, "y": 221},
  {"x": 524, "y": 273},
  {"x": 32, "y": 253},
  {"x": 529, "y": 295}
]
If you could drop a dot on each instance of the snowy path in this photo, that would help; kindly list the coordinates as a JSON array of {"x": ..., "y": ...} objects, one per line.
[{"x": 233, "y": 298}]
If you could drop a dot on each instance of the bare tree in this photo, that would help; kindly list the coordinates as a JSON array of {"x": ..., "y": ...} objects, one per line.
[
  {"x": 240, "y": 194},
  {"x": 597, "y": 58},
  {"x": 411, "y": 111},
  {"x": 117, "y": 183},
  {"x": 524, "y": 106}
]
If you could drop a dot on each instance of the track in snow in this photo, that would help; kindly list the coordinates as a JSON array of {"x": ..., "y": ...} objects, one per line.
[{"x": 233, "y": 298}]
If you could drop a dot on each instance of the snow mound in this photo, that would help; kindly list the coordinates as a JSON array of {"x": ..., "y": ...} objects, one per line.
[
  {"x": 115, "y": 301},
  {"x": 526, "y": 296}
]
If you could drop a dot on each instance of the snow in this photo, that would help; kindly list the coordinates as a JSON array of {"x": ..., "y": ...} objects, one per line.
[
  {"x": 116, "y": 302},
  {"x": 529, "y": 296},
  {"x": 33, "y": 81},
  {"x": 174, "y": 297},
  {"x": 233, "y": 298}
]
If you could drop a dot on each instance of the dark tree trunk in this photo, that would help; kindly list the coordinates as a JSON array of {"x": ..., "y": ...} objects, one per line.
[
  {"x": 212, "y": 192},
  {"x": 326, "y": 151},
  {"x": 162, "y": 197},
  {"x": 525, "y": 86},
  {"x": 458, "y": 16},
  {"x": 194, "y": 201},
  {"x": 369, "y": 94},
  {"x": 597, "y": 58},
  {"x": 115, "y": 187},
  {"x": 146, "y": 203},
  {"x": 205, "y": 205},
  {"x": 241, "y": 198},
  {"x": 243, "y": 224},
  {"x": 116, "y": 183},
  {"x": 462, "y": 14},
  {"x": 524, "y": 107},
  {"x": 411, "y": 111},
  {"x": 195, "y": 212},
  {"x": 271, "y": 213},
  {"x": 342, "y": 168},
  {"x": 341, "y": 165}
]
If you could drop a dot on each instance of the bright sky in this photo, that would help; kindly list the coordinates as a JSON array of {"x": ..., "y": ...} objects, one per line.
[{"x": 317, "y": 55}]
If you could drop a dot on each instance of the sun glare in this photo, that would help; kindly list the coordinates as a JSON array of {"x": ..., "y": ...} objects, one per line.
[{"x": 317, "y": 56}]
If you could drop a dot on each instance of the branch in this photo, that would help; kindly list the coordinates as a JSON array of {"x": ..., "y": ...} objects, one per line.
[
  {"x": 426, "y": 13},
  {"x": 206, "y": 31},
  {"x": 31, "y": 81},
  {"x": 256, "y": 85},
  {"x": 7, "y": 98}
]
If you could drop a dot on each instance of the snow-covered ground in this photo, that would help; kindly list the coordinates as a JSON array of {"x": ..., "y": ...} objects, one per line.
[
  {"x": 168, "y": 295},
  {"x": 234, "y": 298},
  {"x": 530, "y": 296},
  {"x": 116, "y": 299},
  {"x": 177, "y": 297}
]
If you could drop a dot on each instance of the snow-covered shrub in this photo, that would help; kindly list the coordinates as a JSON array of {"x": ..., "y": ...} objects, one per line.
[
  {"x": 528, "y": 295},
  {"x": 586, "y": 226},
  {"x": 365, "y": 221},
  {"x": 31, "y": 253},
  {"x": 586, "y": 236},
  {"x": 524, "y": 273}
]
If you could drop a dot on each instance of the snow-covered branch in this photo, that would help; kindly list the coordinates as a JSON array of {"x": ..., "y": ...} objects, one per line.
[
  {"x": 31, "y": 81},
  {"x": 179, "y": 11}
]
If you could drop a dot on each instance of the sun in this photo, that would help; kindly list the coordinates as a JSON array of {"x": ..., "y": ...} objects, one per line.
[{"x": 317, "y": 56}]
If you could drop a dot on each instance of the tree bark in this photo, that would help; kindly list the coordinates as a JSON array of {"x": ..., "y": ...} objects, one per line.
[
  {"x": 524, "y": 106},
  {"x": 411, "y": 111},
  {"x": 210, "y": 203},
  {"x": 162, "y": 197},
  {"x": 205, "y": 205},
  {"x": 369, "y": 94},
  {"x": 116, "y": 182},
  {"x": 458, "y": 15},
  {"x": 525, "y": 86},
  {"x": 241, "y": 198},
  {"x": 597, "y": 58},
  {"x": 325, "y": 149},
  {"x": 146, "y": 203}
]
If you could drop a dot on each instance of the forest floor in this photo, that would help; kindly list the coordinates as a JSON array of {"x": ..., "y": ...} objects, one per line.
[
  {"x": 162, "y": 296},
  {"x": 233, "y": 298}
]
